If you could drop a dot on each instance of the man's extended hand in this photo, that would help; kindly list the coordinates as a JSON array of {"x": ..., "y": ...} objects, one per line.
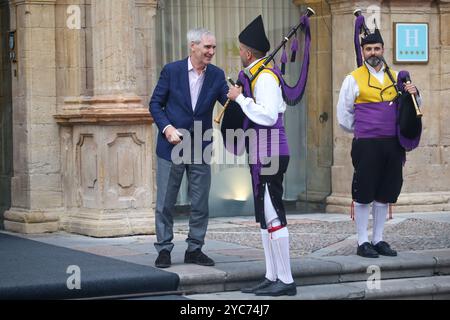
[
  {"x": 173, "y": 135},
  {"x": 234, "y": 92}
]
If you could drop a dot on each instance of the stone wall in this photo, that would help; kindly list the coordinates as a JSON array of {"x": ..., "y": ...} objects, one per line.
[{"x": 36, "y": 182}]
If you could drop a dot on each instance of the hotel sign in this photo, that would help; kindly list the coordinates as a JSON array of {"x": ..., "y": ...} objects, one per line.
[{"x": 410, "y": 42}]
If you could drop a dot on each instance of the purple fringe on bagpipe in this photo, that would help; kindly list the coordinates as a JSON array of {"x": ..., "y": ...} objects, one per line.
[
  {"x": 293, "y": 95},
  {"x": 294, "y": 48}
]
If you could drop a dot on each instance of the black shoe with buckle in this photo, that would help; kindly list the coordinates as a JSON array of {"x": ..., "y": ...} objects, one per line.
[
  {"x": 259, "y": 286},
  {"x": 198, "y": 257},
  {"x": 366, "y": 250},
  {"x": 384, "y": 249},
  {"x": 278, "y": 288},
  {"x": 163, "y": 260}
]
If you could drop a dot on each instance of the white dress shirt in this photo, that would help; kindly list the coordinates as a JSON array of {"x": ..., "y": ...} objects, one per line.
[
  {"x": 348, "y": 94},
  {"x": 195, "y": 85},
  {"x": 268, "y": 101},
  {"x": 195, "y": 82}
]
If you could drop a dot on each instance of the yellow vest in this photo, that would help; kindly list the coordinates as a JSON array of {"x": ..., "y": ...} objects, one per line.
[
  {"x": 370, "y": 89},
  {"x": 256, "y": 67}
]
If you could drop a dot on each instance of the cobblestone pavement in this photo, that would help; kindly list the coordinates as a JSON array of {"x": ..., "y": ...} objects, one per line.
[{"x": 309, "y": 236}]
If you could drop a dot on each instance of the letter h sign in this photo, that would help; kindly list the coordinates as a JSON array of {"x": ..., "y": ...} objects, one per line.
[{"x": 410, "y": 42}]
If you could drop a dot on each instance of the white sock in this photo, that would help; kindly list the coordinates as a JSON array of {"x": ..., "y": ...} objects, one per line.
[
  {"x": 362, "y": 221},
  {"x": 379, "y": 213},
  {"x": 279, "y": 242},
  {"x": 280, "y": 247},
  {"x": 271, "y": 271}
]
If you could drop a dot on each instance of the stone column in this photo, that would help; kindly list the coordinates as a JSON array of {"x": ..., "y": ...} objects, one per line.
[
  {"x": 443, "y": 93},
  {"x": 36, "y": 182},
  {"x": 444, "y": 17},
  {"x": 113, "y": 41},
  {"x": 426, "y": 174},
  {"x": 146, "y": 59},
  {"x": 107, "y": 138}
]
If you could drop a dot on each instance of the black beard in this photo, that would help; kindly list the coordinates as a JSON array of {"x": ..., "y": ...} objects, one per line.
[{"x": 373, "y": 61}]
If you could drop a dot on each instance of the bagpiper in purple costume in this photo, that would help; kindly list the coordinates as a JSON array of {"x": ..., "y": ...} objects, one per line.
[
  {"x": 369, "y": 105},
  {"x": 270, "y": 150}
]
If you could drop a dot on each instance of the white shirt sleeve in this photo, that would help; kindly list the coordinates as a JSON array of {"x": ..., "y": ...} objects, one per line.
[
  {"x": 345, "y": 107},
  {"x": 268, "y": 101},
  {"x": 164, "y": 130}
]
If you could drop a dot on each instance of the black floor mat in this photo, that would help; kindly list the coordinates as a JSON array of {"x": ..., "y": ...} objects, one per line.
[{"x": 34, "y": 270}]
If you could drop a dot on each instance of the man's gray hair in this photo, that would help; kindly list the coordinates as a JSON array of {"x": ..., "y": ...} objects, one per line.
[{"x": 195, "y": 35}]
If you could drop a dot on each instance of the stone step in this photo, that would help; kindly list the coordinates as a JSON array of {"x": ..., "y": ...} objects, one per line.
[
  {"x": 434, "y": 287},
  {"x": 315, "y": 271}
]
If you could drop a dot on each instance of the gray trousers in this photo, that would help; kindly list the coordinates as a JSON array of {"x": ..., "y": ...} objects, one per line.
[{"x": 168, "y": 180}]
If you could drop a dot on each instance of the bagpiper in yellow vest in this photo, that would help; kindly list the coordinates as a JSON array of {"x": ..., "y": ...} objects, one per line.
[{"x": 375, "y": 115}]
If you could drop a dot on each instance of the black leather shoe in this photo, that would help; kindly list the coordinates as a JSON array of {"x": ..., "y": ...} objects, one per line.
[
  {"x": 198, "y": 257},
  {"x": 384, "y": 249},
  {"x": 278, "y": 288},
  {"x": 261, "y": 285},
  {"x": 366, "y": 250},
  {"x": 163, "y": 260}
]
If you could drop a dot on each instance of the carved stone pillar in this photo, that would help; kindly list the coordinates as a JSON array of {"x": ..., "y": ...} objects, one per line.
[
  {"x": 36, "y": 182},
  {"x": 107, "y": 139},
  {"x": 113, "y": 47}
]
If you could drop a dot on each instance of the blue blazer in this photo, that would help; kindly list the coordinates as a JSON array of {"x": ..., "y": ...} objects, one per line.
[{"x": 171, "y": 102}]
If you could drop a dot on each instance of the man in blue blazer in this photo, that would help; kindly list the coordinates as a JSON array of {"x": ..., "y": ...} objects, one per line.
[{"x": 184, "y": 99}]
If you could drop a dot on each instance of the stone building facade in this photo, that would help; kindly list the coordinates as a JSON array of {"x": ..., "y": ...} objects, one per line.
[
  {"x": 82, "y": 135},
  {"x": 77, "y": 141}
]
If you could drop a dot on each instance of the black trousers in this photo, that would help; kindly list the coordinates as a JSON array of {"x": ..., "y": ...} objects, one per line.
[
  {"x": 378, "y": 164},
  {"x": 274, "y": 182}
]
